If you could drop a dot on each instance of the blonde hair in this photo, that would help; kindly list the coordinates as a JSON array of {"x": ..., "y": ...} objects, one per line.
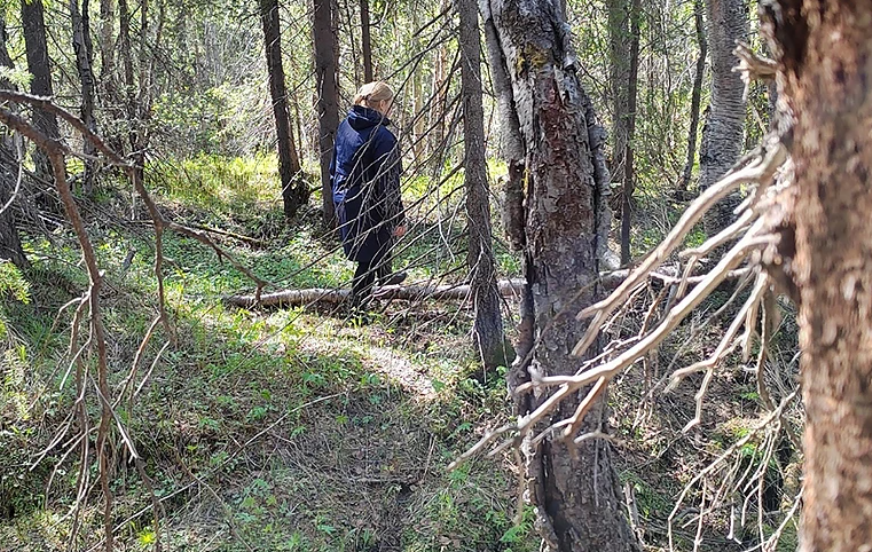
[{"x": 371, "y": 93}]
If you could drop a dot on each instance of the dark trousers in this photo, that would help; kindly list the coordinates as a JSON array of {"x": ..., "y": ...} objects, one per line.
[
  {"x": 366, "y": 275},
  {"x": 364, "y": 280}
]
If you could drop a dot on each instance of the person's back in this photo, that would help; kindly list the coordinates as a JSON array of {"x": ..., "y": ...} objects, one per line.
[
  {"x": 365, "y": 176},
  {"x": 362, "y": 142}
]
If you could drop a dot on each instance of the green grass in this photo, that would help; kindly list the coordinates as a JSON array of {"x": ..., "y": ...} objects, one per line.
[{"x": 348, "y": 428}]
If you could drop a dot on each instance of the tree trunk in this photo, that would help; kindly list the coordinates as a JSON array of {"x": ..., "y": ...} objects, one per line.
[
  {"x": 365, "y": 41},
  {"x": 107, "y": 44},
  {"x": 487, "y": 332},
  {"x": 33, "y": 20},
  {"x": 10, "y": 243},
  {"x": 327, "y": 90},
  {"x": 824, "y": 50},
  {"x": 512, "y": 144},
  {"x": 695, "y": 97},
  {"x": 575, "y": 488},
  {"x": 623, "y": 25},
  {"x": 722, "y": 134},
  {"x": 629, "y": 177},
  {"x": 111, "y": 103},
  {"x": 127, "y": 61},
  {"x": 84, "y": 57},
  {"x": 618, "y": 12},
  {"x": 294, "y": 190}
]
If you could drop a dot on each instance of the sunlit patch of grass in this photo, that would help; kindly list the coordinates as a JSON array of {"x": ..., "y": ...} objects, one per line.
[{"x": 215, "y": 183}]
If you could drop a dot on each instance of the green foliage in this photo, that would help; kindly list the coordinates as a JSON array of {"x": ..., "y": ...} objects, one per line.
[
  {"x": 12, "y": 282},
  {"x": 18, "y": 77}
]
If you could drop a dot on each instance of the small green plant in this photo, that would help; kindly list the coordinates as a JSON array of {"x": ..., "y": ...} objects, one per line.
[{"x": 12, "y": 282}]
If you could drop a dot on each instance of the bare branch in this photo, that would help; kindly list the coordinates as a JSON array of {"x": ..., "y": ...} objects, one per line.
[{"x": 760, "y": 170}]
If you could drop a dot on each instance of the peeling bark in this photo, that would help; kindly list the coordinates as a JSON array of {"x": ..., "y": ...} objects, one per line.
[
  {"x": 824, "y": 51},
  {"x": 574, "y": 488}
]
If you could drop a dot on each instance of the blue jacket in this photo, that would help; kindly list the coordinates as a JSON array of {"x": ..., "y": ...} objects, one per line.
[{"x": 365, "y": 178}]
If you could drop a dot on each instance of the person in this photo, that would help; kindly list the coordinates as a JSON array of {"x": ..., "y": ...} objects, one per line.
[{"x": 365, "y": 180}]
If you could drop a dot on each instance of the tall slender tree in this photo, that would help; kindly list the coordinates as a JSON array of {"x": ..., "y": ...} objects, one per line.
[
  {"x": 39, "y": 65},
  {"x": 327, "y": 90},
  {"x": 487, "y": 332},
  {"x": 696, "y": 95},
  {"x": 366, "y": 41},
  {"x": 84, "y": 64},
  {"x": 125, "y": 52},
  {"x": 624, "y": 31},
  {"x": 294, "y": 190},
  {"x": 624, "y": 18},
  {"x": 565, "y": 224},
  {"x": 10, "y": 242},
  {"x": 724, "y": 127},
  {"x": 618, "y": 19}
]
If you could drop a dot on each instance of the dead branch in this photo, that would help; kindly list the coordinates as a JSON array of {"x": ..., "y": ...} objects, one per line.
[
  {"x": 753, "y": 232},
  {"x": 761, "y": 426},
  {"x": 412, "y": 292},
  {"x": 755, "y": 172},
  {"x": 667, "y": 276},
  {"x": 55, "y": 152},
  {"x": 753, "y": 66},
  {"x": 159, "y": 220}
]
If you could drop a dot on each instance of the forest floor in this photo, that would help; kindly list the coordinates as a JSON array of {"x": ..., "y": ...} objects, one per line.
[{"x": 300, "y": 429}]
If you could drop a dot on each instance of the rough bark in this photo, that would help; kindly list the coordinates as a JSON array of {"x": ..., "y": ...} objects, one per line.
[
  {"x": 327, "y": 89},
  {"x": 628, "y": 184},
  {"x": 124, "y": 50},
  {"x": 724, "y": 127},
  {"x": 618, "y": 13},
  {"x": 695, "y": 97},
  {"x": 574, "y": 488},
  {"x": 824, "y": 50},
  {"x": 294, "y": 190},
  {"x": 487, "y": 331},
  {"x": 84, "y": 59},
  {"x": 107, "y": 42},
  {"x": 10, "y": 242},
  {"x": 365, "y": 41},
  {"x": 38, "y": 63}
]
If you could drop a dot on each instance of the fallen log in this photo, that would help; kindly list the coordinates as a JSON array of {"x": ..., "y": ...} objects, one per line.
[
  {"x": 411, "y": 292},
  {"x": 416, "y": 292}
]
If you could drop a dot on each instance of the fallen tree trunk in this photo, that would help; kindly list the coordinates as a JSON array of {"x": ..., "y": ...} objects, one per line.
[
  {"x": 293, "y": 297},
  {"x": 416, "y": 292}
]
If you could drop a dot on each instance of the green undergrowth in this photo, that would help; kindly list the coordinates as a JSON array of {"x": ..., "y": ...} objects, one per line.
[
  {"x": 300, "y": 429},
  {"x": 316, "y": 429}
]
